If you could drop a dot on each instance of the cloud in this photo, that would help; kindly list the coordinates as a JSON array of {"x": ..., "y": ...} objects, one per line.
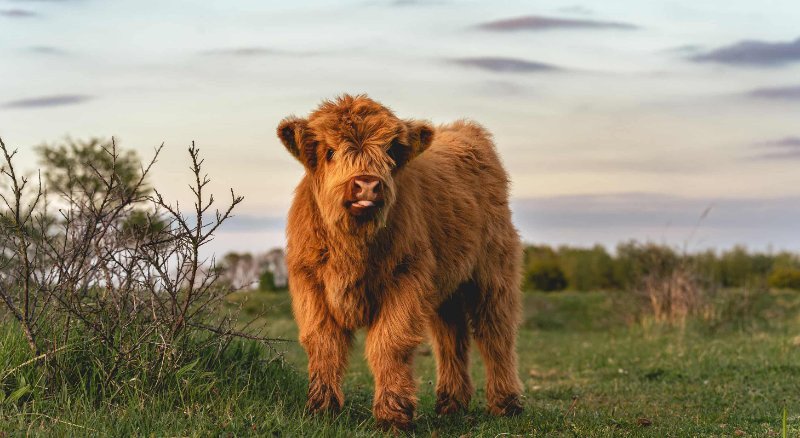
[
  {"x": 49, "y": 101},
  {"x": 788, "y": 154},
  {"x": 255, "y": 52},
  {"x": 781, "y": 149},
  {"x": 540, "y": 23},
  {"x": 404, "y": 3},
  {"x": 243, "y": 51},
  {"x": 699, "y": 222},
  {"x": 791, "y": 92},
  {"x": 784, "y": 142},
  {"x": 685, "y": 49},
  {"x": 505, "y": 65},
  {"x": 18, "y": 13},
  {"x": 47, "y": 50},
  {"x": 416, "y": 2},
  {"x": 612, "y": 210},
  {"x": 754, "y": 53}
]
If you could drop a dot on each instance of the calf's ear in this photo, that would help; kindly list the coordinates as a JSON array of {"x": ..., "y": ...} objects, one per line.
[
  {"x": 294, "y": 134},
  {"x": 420, "y": 136}
]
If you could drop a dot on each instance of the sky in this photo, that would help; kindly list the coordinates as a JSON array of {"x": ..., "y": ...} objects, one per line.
[{"x": 676, "y": 122}]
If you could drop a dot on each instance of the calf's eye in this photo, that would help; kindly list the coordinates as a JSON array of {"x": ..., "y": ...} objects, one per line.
[
  {"x": 395, "y": 152},
  {"x": 329, "y": 154}
]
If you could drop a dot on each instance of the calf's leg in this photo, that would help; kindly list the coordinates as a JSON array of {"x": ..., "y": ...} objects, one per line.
[
  {"x": 391, "y": 340},
  {"x": 450, "y": 335},
  {"x": 327, "y": 345},
  {"x": 496, "y": 313}
]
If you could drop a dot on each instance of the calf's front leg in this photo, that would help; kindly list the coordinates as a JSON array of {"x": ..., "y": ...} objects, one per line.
[
  {"x": 391, "y": 340},
  {"x": 327, "y": 345},
  {"x": 327, "y": 348}
]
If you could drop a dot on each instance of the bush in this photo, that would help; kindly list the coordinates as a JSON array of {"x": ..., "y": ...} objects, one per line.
[
  {"x": 635, "y": 262},
  {"x": 115, "y": 267},
  {"x": 785, "y": 278},
  {"x": 587, "y": 269},
  {"x": 546, "y": 275}
]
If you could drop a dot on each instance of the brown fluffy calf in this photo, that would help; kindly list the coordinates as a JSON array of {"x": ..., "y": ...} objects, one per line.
[{"x": 399, "y": 227}]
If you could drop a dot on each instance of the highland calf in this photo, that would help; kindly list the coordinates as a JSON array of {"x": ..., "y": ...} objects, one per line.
[{"x": 400, "y": 227}]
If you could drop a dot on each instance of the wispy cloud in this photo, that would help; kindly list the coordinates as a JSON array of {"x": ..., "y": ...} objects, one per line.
[
  {"x": 678, "y": 220},
  {"x": 686, "y": 49},
  {"x": 624, "y": 210},
  {"x": 535, "y": 23},
  {"x": 754, "y": 53},
  {"x": 791, "y": 92},
  {"x": 18, "y": 13},
  {"x": 612, "y": 209},
  {"x": 242, "y": 51},
  {"x": 784, "y": 148},
  {"x": 505, "y": 65},
  {"x": 47, "y": 50},
  {"x": 255, "y": 52},
  {"x": 415, "y": 2},
  {"x": 783, "y": 142},
  {"x": 49, "y": 101}
]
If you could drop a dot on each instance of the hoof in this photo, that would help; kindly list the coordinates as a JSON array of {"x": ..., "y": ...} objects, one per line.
[
  {"x": 507, "y": 407},
  {"x": 446, "y": 404},
  {"x": 322, "y": 399},
  {"x": 394, "y": 413}
]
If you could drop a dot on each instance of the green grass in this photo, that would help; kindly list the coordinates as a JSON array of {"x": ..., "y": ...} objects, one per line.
[{"x": 585, "y": 372}]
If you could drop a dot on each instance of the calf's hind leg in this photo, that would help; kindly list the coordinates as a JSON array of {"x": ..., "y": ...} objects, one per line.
[
  {"x": 450, "y": 335},
  {"x": 496, "y": 312}
]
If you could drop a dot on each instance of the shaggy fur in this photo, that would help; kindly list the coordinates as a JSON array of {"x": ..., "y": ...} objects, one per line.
[{"x": 440, "y": 254}]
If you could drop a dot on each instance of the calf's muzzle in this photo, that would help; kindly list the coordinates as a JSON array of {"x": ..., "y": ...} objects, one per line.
[{"x": 365, "y": 195}]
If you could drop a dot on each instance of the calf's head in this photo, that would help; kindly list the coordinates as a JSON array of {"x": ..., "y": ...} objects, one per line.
[{"x": 353, "y": 148}]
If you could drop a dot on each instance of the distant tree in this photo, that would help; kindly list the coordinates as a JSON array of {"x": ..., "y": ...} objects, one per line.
[
  {"x": 786, "y": 260},
  {"x": 79, "y": 165},
  {"x": 542, "y": 269},
  {"x": 538, "y": 252},
  {"x": 140, "y": 222},
  {"x": 87, "y": 169},
  {"x": 785, "y": 278},
  {"x": 587, "y": 269},
  {"x": 735, "y": 266},
  {"x": 707, "y": 268},
  {"x": 546, "y": 275},
  {"x": 636, "y": 261},
  {"x": 266, "y": 281}
]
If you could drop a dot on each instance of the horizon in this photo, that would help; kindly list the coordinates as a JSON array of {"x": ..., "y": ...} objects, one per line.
[{"x": 672, "y": 122}]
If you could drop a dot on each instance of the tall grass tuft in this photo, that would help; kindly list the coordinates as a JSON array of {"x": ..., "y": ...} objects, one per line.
[{"x": 673, "y": 296}]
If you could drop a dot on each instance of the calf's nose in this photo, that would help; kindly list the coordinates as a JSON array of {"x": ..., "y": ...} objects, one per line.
[{"x": 365, "y": 187}]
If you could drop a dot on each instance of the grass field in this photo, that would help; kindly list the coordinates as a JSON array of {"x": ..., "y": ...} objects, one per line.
[{"x": 586, "y": 373}]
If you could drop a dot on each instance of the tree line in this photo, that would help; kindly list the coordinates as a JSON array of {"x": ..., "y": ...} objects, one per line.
[{"x": 548, "y": 268}]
